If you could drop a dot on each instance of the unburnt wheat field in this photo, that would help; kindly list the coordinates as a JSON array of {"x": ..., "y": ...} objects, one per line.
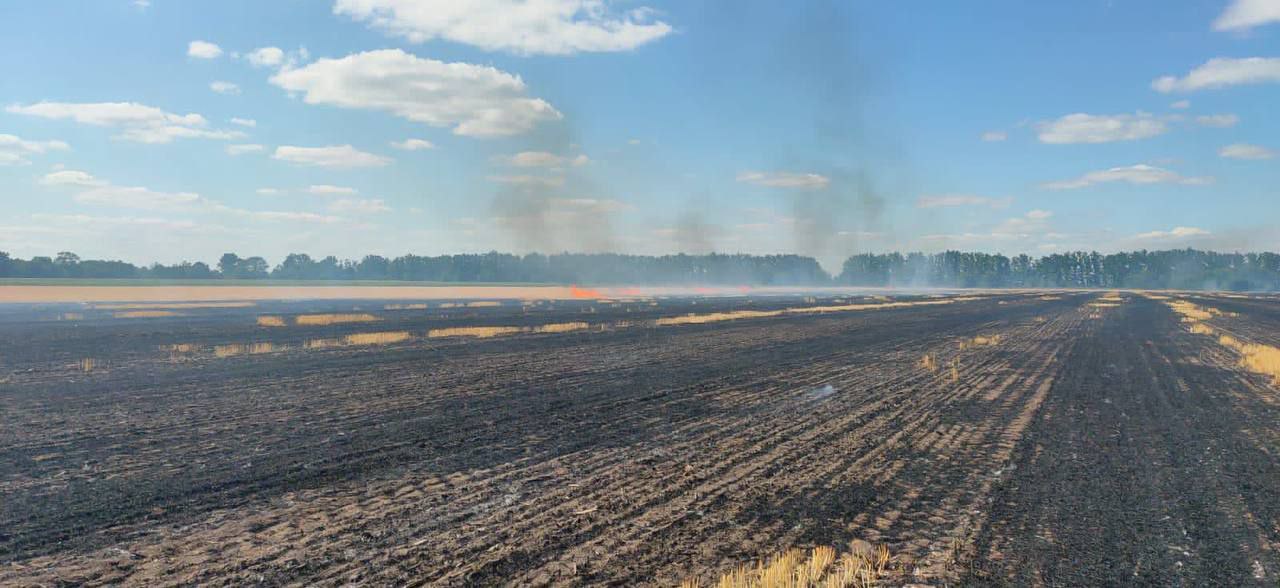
[{"x": 1016, "y": 438}]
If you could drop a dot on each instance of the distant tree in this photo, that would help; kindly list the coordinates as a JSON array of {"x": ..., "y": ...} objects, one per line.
[
  {"x": 229, "y": 265},
  {"x": 253, "y": 268}
]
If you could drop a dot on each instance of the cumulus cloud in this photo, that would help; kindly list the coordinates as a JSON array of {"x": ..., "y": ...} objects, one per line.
[
  {"x": 137, "y": 197},
  {"x": 784, "y": 179},
  {"x": 1100, "y": 128},
  {"x": 473, "y": 100},
  {"x": 1174, "y": 233},
  {"x": 138, "y": 122},
  {"x": 70, "y": 177},
  {"x": 549, "y": 27},
  {"x": 530, "y": 180},
  {"x": 1221, "y": 72},
  {"x": 265, "y": 57},
  {"x": 1245, "y": 151},
  {"x": 1220, "y": 121},
  {"x": 203, "y": 50},
  {"x": 544, "y": 159},
  {"x": 358, "y": 206},
  {"x": 102, "y": 192},
  {"x": 99, "y": 192},
  {"x": 244, "y": 122},
  {"x": 953, "y": 200},
  {"x": 246, "y": 148},
  {"x": 336, "y": 156},
  {"x": 15, "y": 150},
  {"x": 1246, "y": 14},
  {"x": 413, "y": 144},
  {"x": 1181, "y": 105},
  {"x": 222, "y": 87},
  {"x": 993, "y": 136},
  {"x": 1140, "y": 174},
  {"x": 328, "y": 190}
]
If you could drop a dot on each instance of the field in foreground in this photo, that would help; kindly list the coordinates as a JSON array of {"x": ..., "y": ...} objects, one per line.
[{"x": 1020, "y": 439}]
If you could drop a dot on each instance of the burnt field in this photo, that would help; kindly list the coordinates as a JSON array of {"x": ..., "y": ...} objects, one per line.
[{"x": 1026, "y": 438}]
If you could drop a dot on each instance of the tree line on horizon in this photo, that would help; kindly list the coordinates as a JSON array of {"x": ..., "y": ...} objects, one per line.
[{"x": 1188, "y": 269}]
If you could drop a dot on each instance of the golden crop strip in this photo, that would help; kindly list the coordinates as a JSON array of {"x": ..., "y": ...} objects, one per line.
[
  {"x": 477, "y": 332},
  {"x": 1255, "y": 357},
  {"x": 792, "y": 569},
  {"x": 270, "y": 321},
  {"x": 698, "y": 319},
  {"x": 333, "y": 319},
  {"x": 383, "y": 338},
  {"x": 144, "y": 313}
]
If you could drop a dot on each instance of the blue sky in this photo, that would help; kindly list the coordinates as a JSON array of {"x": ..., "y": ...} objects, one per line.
[{"x": 170, "y": 130}]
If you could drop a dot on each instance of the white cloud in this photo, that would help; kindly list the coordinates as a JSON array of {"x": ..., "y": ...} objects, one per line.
[
  {"x": 952, "y": 200},
  {"x": 1246, "y": 14},
  {"x": 358, "y": 206},
  {"x": 528, "y": 180},
  {"x": 138, "y": 122},
  {"x": 15, "y": 150},
  {"x": 246, "y": 148},
  {"x": 137, "y": 197},
  {"x": 142, "y": 4},
  {"x": 1174, "y": 233},
  {"x": 244, "y": 122},
  {"x": 338, "y": 156},
  {"x": 413, "y": 144},
  {"x": 806, "y": 181},
  {"x": 1220, "y": 121},
  {"x": 268, "y": 191},
  {"x": 1221, "y": 72},
  {"x": 203, "y": 50},
  {"x": 550, "y": 27},
  {"x": 580, "y": 161},
  {"x": 1181, "y": 105},
  {"x": 993, "y": 136},
  {"x": 100, "y": 192},
  {"x": 328, "y": 190},
  {"x": 70, "y": 177},
  {"x": 272, "y": 215},
  {"x": 474, "y": 100},
  {"x": 1140, "y": 174},
  {"x": 222, "y": 87},
  {"x": 1100, "y": 128},
  {"x": 265, "y": 57},
  {"x": 1244, "y": 151}
]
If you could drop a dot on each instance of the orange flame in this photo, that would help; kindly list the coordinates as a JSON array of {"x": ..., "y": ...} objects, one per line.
[{"x": 577, "y": 292}]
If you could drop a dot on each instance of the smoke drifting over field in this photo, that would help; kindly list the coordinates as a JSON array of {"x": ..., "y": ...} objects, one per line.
[
  {"x": 830, "y": 66},
  {"x": 817, "y": 54}
]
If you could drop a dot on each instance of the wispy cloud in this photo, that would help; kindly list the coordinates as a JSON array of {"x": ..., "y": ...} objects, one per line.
[
  {"x": 335, "y": 156},
  {"x": 785, "y": 179},
  {"x": 1100, "y": 128},
  {"x": 138, "y": 122},
  {"x": 1246, "y": 14},
  {"x": 1222, "y": 72},
  {"x": 203, "y": 50},
  {"x": 553, "y": 27},
  {"x": 15, "y": 150},
  {"x": 954, "y": 200},
  {"x": 1246, "y": 151},
  {"x": 1140, "y": 174}
]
